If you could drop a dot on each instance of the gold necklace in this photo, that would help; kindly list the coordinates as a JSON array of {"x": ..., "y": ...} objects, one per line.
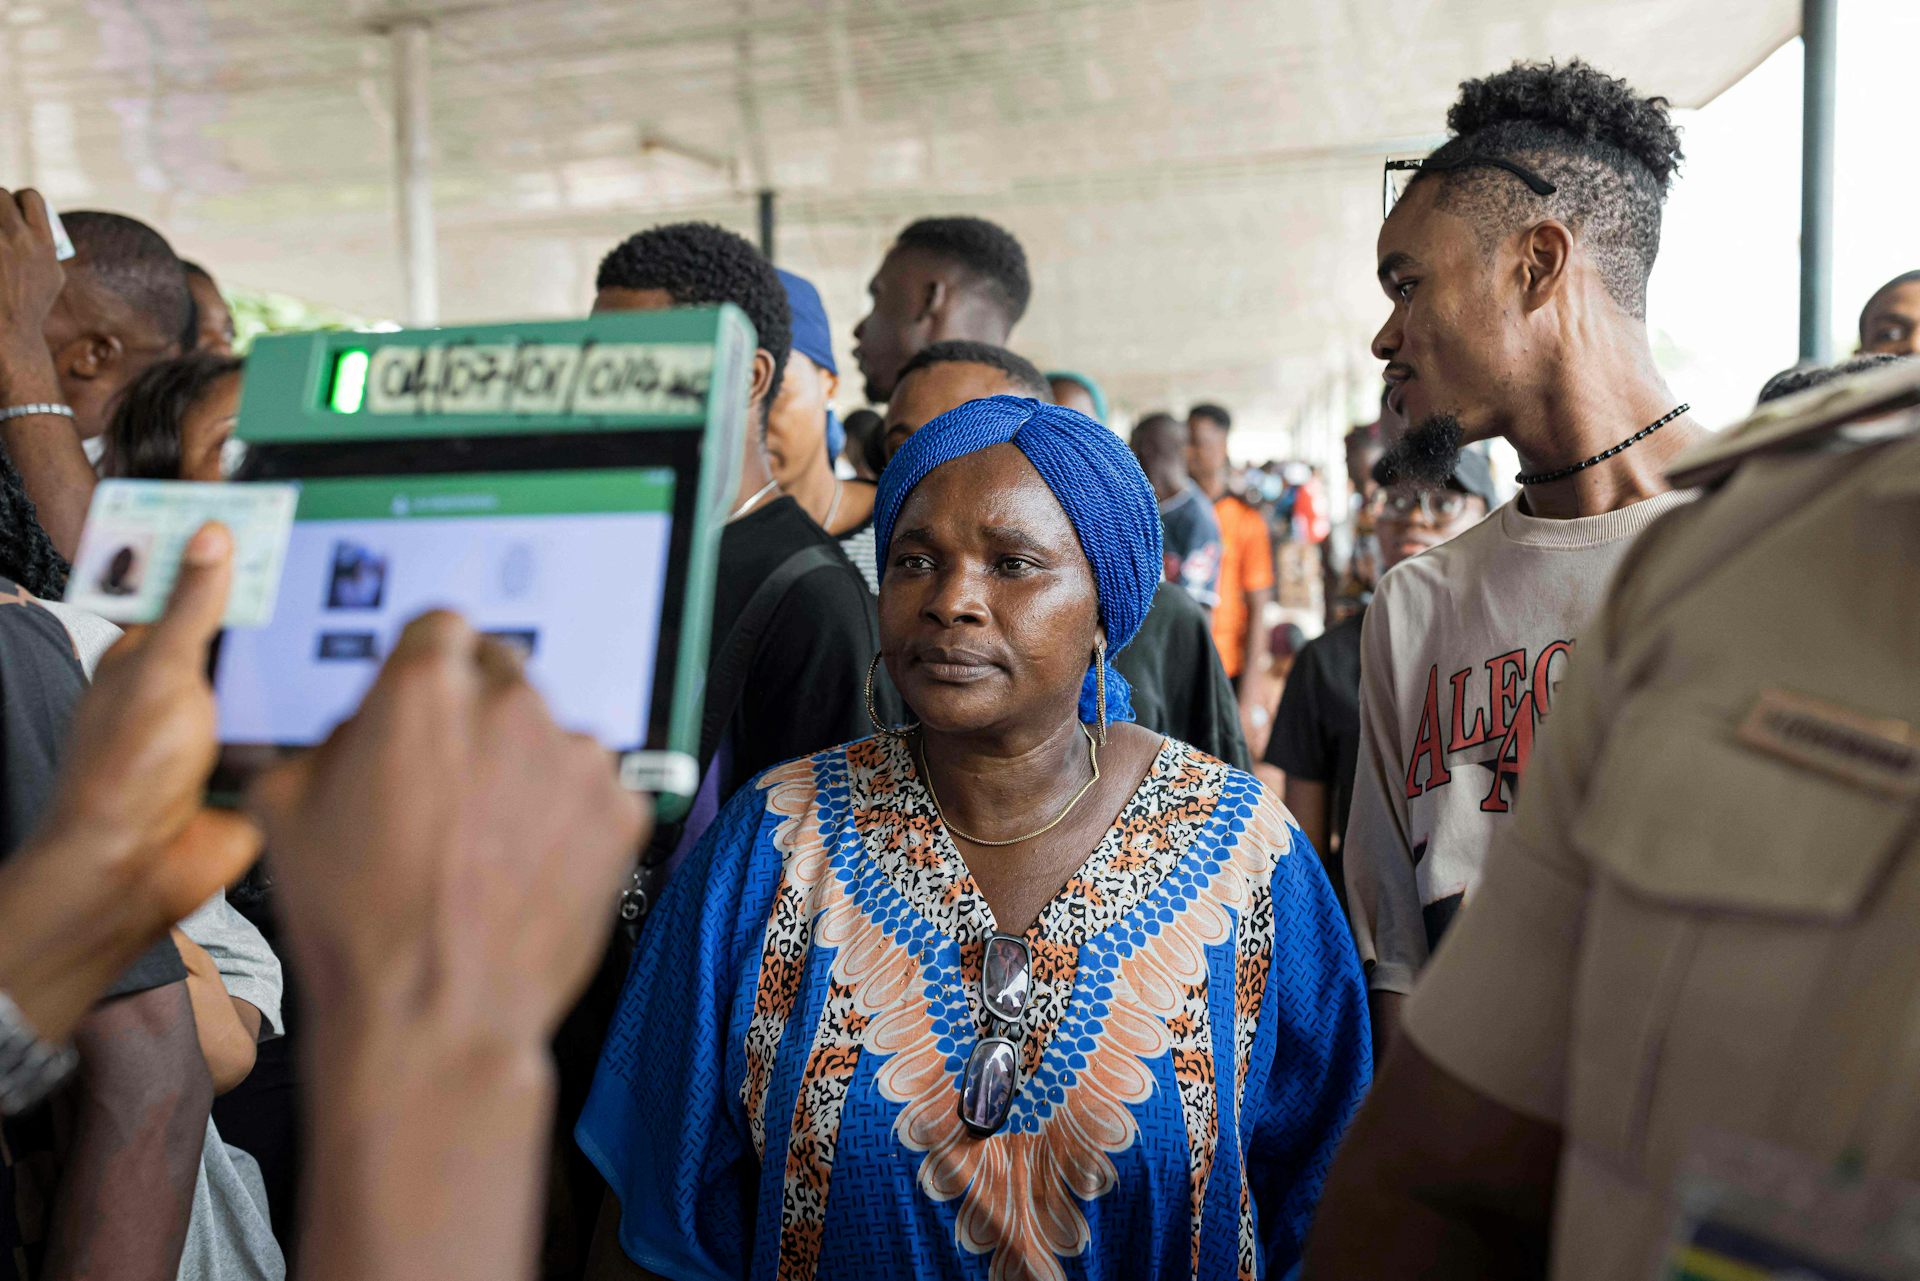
[{"x": 1093, "y": 758}]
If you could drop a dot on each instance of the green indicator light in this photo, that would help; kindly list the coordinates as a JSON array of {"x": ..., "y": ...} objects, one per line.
[{"x": 349, "y": 382}]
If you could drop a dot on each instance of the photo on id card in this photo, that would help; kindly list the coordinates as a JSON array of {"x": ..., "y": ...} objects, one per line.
[{"x": 136, "y": 530}]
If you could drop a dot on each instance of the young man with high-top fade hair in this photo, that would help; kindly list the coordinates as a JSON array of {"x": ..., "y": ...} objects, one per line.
[
  {"x": 945, "y": 279},
  {"x": 1516, "y": 260},
  {"x": 793, "y": 626}
]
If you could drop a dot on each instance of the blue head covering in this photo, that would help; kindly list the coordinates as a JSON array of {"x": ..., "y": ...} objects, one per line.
[
  {"x": 1099, "y": 485},
  {"x": 813, "y": 338},
  {"x": 1087, "y": 384}
]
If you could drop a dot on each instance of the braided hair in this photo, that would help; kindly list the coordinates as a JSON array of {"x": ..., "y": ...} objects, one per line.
[{"x": 27, "y": 555}]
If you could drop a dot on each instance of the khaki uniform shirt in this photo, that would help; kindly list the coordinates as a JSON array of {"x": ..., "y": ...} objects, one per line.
[{"x": 1706, "y": 913}]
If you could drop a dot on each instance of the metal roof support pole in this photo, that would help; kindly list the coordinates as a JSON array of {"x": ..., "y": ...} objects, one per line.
[
  {"x": 766, "y": 222},
  {"x": 413, "y": 170},
  {"x": 1819, "y": 37}
]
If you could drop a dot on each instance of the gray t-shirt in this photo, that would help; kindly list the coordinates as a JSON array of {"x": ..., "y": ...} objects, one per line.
[
  {"x": 41, "y": 680},
  {"x": 92, "y": 635},
  {"x": 246, "y": 962},
  {"x": 47, "y": 654},
  {"x": 1459, "y": 656},
  {"x": 229, "y": 1234}
]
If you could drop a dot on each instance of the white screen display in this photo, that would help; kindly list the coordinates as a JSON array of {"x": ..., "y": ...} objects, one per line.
[{"x": 523, "y": 556}]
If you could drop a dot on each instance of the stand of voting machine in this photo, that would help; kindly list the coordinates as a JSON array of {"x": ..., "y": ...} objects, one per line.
[{"x": 561, "y": 485}]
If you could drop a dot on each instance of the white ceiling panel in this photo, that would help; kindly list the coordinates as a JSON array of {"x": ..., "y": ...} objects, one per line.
[{"x": 1196, "y": 181}]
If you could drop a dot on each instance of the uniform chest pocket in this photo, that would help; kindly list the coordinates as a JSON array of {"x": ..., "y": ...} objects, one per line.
[{"x": 1723, "y": 877}]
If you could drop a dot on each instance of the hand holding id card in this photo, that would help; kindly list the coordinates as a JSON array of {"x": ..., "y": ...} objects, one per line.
[{"x": 136, "y": 530}]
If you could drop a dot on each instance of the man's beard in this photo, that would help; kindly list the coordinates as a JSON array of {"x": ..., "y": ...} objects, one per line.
[{"x": 1426, "y": 455}]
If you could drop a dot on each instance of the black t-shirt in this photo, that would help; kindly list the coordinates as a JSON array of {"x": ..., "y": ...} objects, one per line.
[
  {"x": 805, "y": 689},
  {"x": 1316, "y": 734},
  {"x": 1179, "y": 687},
  {"x": 40, "y": 682}
]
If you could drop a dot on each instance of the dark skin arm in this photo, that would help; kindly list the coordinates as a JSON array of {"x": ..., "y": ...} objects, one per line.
[
  {"x": 445, "y": 860},
  {"x": 606, "y": 1261},
  {"x": 1255, "y": 688},
  {"x": 1385, "y": 1009},
  {"x": 140, "y": 1105},
  {"x": 1253, "y": 672},
  {"x": 1436, "y": 1181},
  {"x": 228, "y": 1028},
  {"x": 1307, "y": 801},
  {"x": 128, "y": 848},
  {"x": 43, "y": 447}
]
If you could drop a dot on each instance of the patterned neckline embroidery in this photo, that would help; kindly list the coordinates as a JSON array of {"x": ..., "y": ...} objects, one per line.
[
  {"x": 1183, "y": 869},
  {"x": 900, "y": 830}
]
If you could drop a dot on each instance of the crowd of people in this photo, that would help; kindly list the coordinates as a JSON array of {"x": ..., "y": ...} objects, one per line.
[{"x": 1050, "y": 896}]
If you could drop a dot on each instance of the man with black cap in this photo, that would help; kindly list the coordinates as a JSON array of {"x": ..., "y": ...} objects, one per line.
[{"x": 1316, "y": 734}]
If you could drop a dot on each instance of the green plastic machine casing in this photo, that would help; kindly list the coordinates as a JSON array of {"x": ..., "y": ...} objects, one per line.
[{"x": 290, "y": 399}]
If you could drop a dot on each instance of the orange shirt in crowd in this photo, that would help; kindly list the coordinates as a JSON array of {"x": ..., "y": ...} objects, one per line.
[
  {"x": 1308, "y": 518},
  {"x": 1246, "y": 565}
]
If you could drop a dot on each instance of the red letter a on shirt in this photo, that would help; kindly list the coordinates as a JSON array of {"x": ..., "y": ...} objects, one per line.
[
  {"x": 1510, "y": 762},
  {"x": 1430, "y": 744}
]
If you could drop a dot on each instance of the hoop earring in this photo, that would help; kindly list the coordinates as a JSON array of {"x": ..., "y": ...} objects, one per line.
[
  {"x": 873, "y": 713},
  {"x": 1100, "y": 688}
]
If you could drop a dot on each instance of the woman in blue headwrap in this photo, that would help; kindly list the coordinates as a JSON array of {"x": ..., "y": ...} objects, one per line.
[{"x": 1017, "y": 990}]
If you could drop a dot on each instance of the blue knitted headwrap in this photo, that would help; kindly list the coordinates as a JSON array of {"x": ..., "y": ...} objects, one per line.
[{"x": 1099, "y": 485}]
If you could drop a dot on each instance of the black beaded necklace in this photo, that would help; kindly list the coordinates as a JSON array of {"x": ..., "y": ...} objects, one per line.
[{"x": 1543, "y": 477}]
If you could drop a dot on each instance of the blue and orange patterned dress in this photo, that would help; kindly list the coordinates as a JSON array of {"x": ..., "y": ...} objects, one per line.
[{"x": 778, "y": 1096}]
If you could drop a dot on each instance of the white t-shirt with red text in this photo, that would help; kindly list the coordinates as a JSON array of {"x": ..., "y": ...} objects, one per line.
[{"x": 1462, "y": 648}]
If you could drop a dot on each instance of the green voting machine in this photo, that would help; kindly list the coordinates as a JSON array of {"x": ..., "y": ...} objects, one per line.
[{"x": 561, "y": 484}]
